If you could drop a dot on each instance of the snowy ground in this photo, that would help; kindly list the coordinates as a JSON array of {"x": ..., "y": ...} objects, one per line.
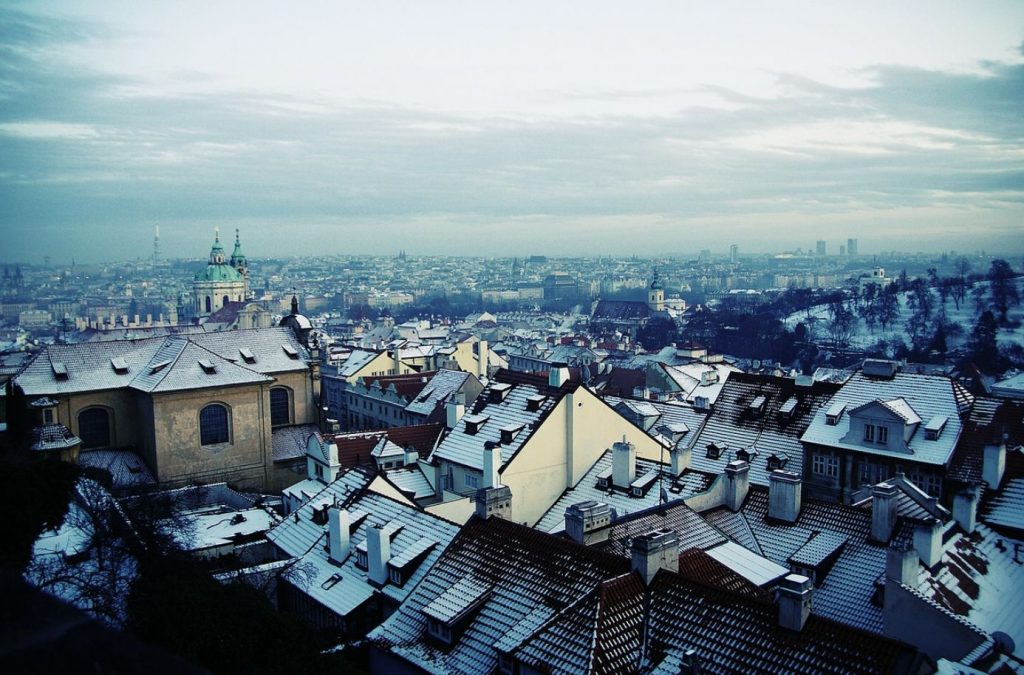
[{"x": 817, "y": 320}]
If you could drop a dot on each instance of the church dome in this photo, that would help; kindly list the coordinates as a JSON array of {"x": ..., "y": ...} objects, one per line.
[{"x": 221, "y": 272}]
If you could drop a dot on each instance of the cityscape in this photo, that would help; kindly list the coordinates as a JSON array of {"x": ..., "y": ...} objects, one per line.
[{"x": 536, "y": 340}]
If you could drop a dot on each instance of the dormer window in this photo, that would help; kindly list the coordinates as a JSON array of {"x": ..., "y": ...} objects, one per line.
[
  {"x": 715, "y": 450},
  {"x": 439, "y": 631},
  {"x": 247, "y": 355},
  {"x": 509, "y": 432},
  {"x": 60, "y": 371},
  {"x": 499, "y": 392},
  {"x": 207, "y": 366},
  {"x": 835, "y": 413},
  {"x": 290, "y": 351},
  {"x": 701, "y": 403},
  {"x": 934, "y": 428},
  {"x": 757, "y": 405},
  {"x": 362, "y": 562},
  {"x": 787, "y": 408},
  {"x": 119, "y": 365}
]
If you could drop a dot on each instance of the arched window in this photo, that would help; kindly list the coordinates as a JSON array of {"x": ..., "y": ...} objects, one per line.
[
  {"x": 94, "y": 428},
  {"x": 209, "y": 304},
  {"x": 225, "y": 300},
  {"x": 214, "y": 425},
  {"x": 280, "y": 407}
]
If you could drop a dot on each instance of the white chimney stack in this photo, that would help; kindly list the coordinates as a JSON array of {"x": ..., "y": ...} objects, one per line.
[
  {"x": 680, "y": 459},
  {"x": 993, "y": 464},
  {"x": 482, "y": 359},
  {"x": 588, "y": 522},
  {"x": 454, "y": 409},
  {"x": 623, "y": 464},
  {"x": 901, "y": 564},
  {"x": 558, "y": 375},
  {"x": 378, "y": 552},
  {"x": 654, "y": 551},
  {"x": 795, "y": 593},
  {"x": 965, "y": 508},
  {"x": 928, "y": 542},
  {"x": 737, "y": 483},
  {"x": 492, "y": 462},
  {"x": 337, "y": 534},
  {"x": 785, "y": 492},
  {"x": 884, "y": 499}
]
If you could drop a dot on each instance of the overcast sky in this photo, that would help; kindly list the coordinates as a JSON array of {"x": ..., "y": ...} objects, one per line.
[{"x": 508, "y": 128}]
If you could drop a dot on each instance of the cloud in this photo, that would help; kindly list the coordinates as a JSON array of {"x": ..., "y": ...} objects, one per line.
[{"x": 91, "y": 153}]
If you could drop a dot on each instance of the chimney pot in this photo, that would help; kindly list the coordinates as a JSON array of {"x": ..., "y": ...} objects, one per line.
[
  {"x": 795, "y": 594},
  {"x": 623, "y": 464},
  {"x": 884, "y": 500},
  {"x": 588, "y": 522},
  {"x": 338, "y": 534},
  {"x": 994, "y": 464},
  {"x": 965, "y": 508},
  {"x": 653, "y": 551},
  {"x": 378, "y": 552},
  {"x": 785, "y": 490},
  {"x": 928, "y": 542},
  {"x": 901, "y": 564},
  {"x": 737, "y": 476}
]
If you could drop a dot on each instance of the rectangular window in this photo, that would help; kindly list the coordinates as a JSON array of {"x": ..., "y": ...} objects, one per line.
[
  {"x": 825, "y": 465},
  {"x": 471, "y": 480},
  {"x": 869, "y": 433},
  {"x": 883, "y": 435}
]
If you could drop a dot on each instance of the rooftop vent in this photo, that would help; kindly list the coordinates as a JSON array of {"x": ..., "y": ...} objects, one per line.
[
  {"x": 60, "y": 371},
  {"x": 157, "y": 367},
  {"x": 247, "y": 355},
  {"x": 534, "y": 402},
  {"x": 207, "y": 367},
  {"x": 290, "y": 351},
  {"x": 880, "y": 368},
  {"x": 119, "y": 365},
  {"x": 474, "y": 423},
  {"x": 835, "y": 413},
  {"x": 499, "y": 392}
]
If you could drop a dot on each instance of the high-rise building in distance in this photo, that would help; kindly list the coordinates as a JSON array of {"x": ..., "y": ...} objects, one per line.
[
  {"x": 851, "y": 247},
  {"x": 820, "y": 250}
]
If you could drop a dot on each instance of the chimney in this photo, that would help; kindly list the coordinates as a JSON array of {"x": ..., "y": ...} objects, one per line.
[
  {"x": 337, "y": 534},
  {"x": 494, "y": 502},
  {"x": 680, "y": 459},
  {"x": 737, "y": 483},
  {"x": 623, "y": 464},
  {"x": 558, "y": 375},
  {"x": 795, "y": 592},
  {"x": 333, "y": 426},
  {"x": 411, "y": 456},
  {"x": 965, "y": 508},
  {"x": 784, "y": 495},
  {"x": 397, "y": 361},
  {"x": 993, "y": 464},
  {"x": 455, "y": 408},
  {"x": 884, "y": 500},
  {"x": 928, "y": 542},
  {"x": 491, "y": 464},
  {"x": 588, "y": 522},
  {"x": 901, "y": 564},
  {"x": 378, "y": 552},
  {"x": 653, "y": 551},
  {"x": 482, "y": 358}
]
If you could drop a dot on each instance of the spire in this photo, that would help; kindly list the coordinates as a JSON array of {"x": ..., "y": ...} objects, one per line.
[{"x": 217, "y": 252}]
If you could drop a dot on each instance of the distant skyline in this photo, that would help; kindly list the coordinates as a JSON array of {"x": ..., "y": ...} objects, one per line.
[{"x": 494, "y": 128}]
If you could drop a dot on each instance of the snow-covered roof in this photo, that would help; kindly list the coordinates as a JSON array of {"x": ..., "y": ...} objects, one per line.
[
  {"x": 444, "y": 384},
  {"x": 913, "y": 397}
]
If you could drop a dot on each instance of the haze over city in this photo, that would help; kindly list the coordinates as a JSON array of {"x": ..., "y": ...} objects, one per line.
[{"x": 509, "y": 128}]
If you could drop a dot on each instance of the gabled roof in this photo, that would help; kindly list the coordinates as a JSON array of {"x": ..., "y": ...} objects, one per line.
[
  {"x": 441, "y": 386},
  {"x": 466, "y": 449},
  {"x": 417, "y": 540},
  {"x": 928, "y": 396},
  {"x": 531, "y": 576},
  {"x": 600, "y": 633},
  {"x": 769, "y": 432},
  {"x": 168, "y": 363},
  {"x": 620, "y": 310},
  {"x": 732, "y": 631}
]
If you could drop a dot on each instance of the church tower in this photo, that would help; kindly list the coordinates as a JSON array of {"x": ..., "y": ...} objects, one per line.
[
  {"x": 239, "y": 262},
  {"x": 219, "y": 282},
  {"x": 656, "y": 294}
]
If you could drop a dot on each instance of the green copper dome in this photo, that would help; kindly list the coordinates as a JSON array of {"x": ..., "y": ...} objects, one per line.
[{"x": 222, "y": 272}]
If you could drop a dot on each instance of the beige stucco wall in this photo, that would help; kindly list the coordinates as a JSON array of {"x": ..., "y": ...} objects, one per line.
[
  {"x": 245, "y": 461},
  {"x": 575, "y": 434},
  {"x": 303, "y": 405},
  {"x": 120, "y": 405}
]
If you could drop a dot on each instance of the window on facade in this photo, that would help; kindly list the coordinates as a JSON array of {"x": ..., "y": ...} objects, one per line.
[
  {"x": 869, "y": 433},
  {"x": 209, "y": 305},
  {"x": 213, "y": 424},
  {"x": 471, "y": 480},
  {"x": 280, "y": 408},
  {"x": 94, "y": 428},
  {"x": 883, "y": 435},
  {"x": 225, "y": 300},
  {"x": 48, "y": 416},
  {"x": 825, "y": 465},
  {"x": 439, "y": 630}
]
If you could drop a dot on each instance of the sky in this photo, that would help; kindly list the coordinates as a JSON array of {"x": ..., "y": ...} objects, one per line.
[{"x": 509, "y": 128}]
